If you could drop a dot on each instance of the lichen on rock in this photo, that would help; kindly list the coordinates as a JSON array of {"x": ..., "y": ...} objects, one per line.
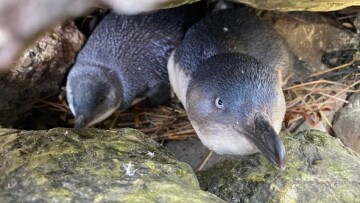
[
  {"x": 92, "y": 166},
  {"x": 319, "y": 169},
  {"x": 301, "y": 5}
]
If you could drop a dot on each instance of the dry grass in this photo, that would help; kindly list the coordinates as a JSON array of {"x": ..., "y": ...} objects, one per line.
[
  {"x": 310, "y": 99},
  {"x": 165, "y": 122}
]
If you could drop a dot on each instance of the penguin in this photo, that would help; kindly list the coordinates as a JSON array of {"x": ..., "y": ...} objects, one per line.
[
  {"x": 225, "y": 74},
  {"x": 125, "y": 60}
]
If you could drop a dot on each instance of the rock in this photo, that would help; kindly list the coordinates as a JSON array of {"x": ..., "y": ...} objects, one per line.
[
  {"x": 313, "y": 37},
  {"x": 29, "y": 19},
  {"x": 192, "y": 152},
  {"x": 319, "y": 169},
  {"x": 23, "y": 22},
  {"x": 347, "y": 123},
  {"x": 357, "y": 22},
  {"x": 305, "y": 125},
  {"x": 39, "y": 72},
  {"x": 64, "y": 165},
  {"x": 301, "y": 5}
]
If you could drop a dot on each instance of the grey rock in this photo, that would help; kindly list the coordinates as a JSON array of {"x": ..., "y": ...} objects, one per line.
[
  {"x": 319, "y": 169},
  {"x": 305, "y": 125},
  {"x": 357, "y": 22},
  {"x": 64, "y": 165},
  {"x": 347, "y": 123},
  {"x": 193, "y": 152},
  {"x": 300, "y": 5},
  {"x": 21, "y": 23},
  {"x": 39, "y": 72},
  {"x": 310, "y": 35}
]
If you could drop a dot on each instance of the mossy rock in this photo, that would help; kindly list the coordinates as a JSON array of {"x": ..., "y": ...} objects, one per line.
[
  {"x": 319, "y": 169},
  {"x": 301, "y": 5},
  {"x": 280, "y": 5},
  {"x": 65, "y": 165}
]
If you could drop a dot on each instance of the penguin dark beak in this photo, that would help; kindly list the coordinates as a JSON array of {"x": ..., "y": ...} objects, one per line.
[
  {"x": 267, "y": 141},
  {"x": 80, "y": 122}
]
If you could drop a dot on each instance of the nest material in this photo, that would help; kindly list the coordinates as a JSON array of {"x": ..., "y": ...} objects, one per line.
[{"x": 322, "y": 93}]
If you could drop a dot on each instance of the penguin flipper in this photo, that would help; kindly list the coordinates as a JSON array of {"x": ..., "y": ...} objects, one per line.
[{"x": 159, "y": 93}]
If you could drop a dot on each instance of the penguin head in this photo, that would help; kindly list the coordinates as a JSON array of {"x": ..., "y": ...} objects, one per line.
[
  {"x": 236, "y": 106},
  {"x": 93, "y": 94}
]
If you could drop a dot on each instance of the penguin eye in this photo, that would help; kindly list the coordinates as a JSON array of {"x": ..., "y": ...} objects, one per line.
[
  {"x": 101, "y": 100},
  {"x": 219, "y": 103}
]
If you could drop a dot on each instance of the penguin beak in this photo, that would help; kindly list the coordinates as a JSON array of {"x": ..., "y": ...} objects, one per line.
[
  {"x": 267, "y": 141},
  {"x": 80, "y": 122}
]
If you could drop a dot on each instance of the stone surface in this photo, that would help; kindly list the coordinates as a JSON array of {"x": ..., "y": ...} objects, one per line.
[
  {"x": 64, "y": 165},
  {"x": 30, "y": 18},
  {"x": 357, "y": 21},
  {"x": 310, "y": 35},
  {"x": 301, "y": 5},
  {"x": 319, "y": 169},
  {"x": 193, "y": 152},
  {"x": 39, "y": 72},
  {"x": 347, "y": 123},
  {"x": 305, "y": 125},
  {"x": 22, "y": 22}
]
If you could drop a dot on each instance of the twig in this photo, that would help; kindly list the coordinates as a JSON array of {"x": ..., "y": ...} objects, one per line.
[
  {"x": 333, "y": 69},
  {"x": 204, "y": 161}
]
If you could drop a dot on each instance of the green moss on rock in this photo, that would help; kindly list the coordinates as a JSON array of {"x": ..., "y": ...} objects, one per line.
[
  {"x": 301, "y": 5},
  {"x": 319, "y": 169},
  {"x": 64, "y": 165}
]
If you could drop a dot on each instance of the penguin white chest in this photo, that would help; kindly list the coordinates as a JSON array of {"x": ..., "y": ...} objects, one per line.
[
  {"x": 179, "y": 80},
  {"x": 223, "y": 139}
]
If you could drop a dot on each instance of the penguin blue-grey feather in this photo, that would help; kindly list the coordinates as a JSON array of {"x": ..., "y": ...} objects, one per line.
[
  {"x": 125, "y": 60},
  {"x": 225, "y": 74}
]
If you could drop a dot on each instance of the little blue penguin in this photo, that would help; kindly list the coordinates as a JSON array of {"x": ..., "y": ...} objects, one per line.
[
  {"x": 125, "y": 60},
  {"x": 225, "y": 74}
]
